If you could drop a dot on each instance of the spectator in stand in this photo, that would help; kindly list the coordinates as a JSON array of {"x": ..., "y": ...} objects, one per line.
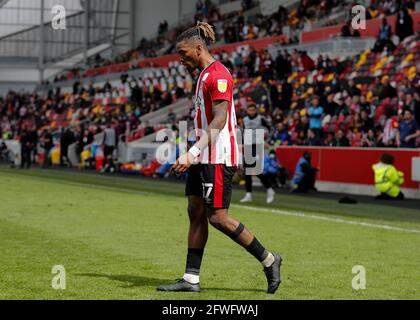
[
  {"x": 324, "y": 64},
  {"x": 390, "y": 129},
  {"x": 346, "y": 30},
  {"x": 353, "y": 90},
  {"x": 367, "y": 106},
  {"x": 329, "y": 139},
  {"x": 384, "y": 38},
  {"x": 267, "y": 67},
  {"x": 313, "y": 139},
  {"x": 163, "y": 27},
  {"x": 411, "y": 103},
  {"x": 404, "y": 25},
  {"x": 355, "y": 33},
  {"x": 408, "y": 131},
  {"x": 249, "y": 31},
  {"x": 366, "y": 122},
  {"x": 387, "y": 90},
  {"x": 385, "y": 32},
  {"x": 281, "y": 136},
  {"x": 283, "y": 66},
  {"x": 369, "y": 140},
  {"x": 241, "y": 103},
  {"x": 340, "y": 140},
  {"x": 331, "y": 106},
  {"x": 136, "y": 94},
  {"x": 307, "y": 63},
  {"x": 274, "y": 95},
  {"x": 107, "y": 87},
  {"x": 286, "y": 95},
  {"x": 315, "y": 112},
  {"x": 303, "y": 124},
  {"x": 230, "y": 34},
  {"x": 251, "y": 64}
]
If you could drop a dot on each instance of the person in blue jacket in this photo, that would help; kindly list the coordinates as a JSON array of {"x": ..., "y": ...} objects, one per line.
[
  {"x": 315, "y": 112},
  {"x": 273, "y": 169},
  {"x": 305, "y": 174}
]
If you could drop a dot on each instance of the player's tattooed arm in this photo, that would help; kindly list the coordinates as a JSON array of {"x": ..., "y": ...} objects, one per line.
[{"x": 219, "y": 109}]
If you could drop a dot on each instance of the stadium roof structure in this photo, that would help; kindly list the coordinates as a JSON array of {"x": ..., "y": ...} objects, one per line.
[
  {"x": 29, "y": 42},
  {"x": 21, "y": 15}
]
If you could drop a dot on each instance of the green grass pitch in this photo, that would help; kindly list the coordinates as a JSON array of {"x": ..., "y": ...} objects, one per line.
[{"x": 118, "y": 238}]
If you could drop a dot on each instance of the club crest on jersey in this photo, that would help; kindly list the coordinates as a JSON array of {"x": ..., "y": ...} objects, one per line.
[{"x": 222, "y": 85}]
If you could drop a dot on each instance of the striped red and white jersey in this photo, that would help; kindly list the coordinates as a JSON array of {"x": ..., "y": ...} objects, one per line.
[{"x": 215, "y": 83}]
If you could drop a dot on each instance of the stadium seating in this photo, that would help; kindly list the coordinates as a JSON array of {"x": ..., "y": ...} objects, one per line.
[{"x": 268, "y": 26}]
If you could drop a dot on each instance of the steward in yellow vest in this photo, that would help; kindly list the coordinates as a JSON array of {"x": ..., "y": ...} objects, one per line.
[{"x": 388, "y": 179}]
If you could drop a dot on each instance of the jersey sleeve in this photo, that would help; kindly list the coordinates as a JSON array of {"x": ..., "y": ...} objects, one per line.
[{"x": 221, "y": 86}]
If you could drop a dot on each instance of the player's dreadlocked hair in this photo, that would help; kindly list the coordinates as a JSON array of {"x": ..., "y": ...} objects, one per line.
[{"x": 202, "y": 31}]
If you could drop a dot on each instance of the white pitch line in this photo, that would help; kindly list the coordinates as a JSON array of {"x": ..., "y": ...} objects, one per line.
[{"x": 317, "y": 217}]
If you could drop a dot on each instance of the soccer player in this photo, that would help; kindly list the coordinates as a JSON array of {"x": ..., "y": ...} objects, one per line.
[{"x": 211, "y": 163}]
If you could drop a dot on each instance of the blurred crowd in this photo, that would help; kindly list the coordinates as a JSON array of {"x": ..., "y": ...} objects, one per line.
[
  {"x": 305, "y": 101},
  {"x": 371, "y": 100},
  {"x": 323, "y": 103}
]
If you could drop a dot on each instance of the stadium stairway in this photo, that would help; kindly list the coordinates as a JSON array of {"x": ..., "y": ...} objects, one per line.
[
  {"x": 136, "y": 146},
  {"x": 157, "y": 119}
]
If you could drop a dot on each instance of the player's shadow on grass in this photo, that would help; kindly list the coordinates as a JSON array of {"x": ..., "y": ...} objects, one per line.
[
  {"x": 138, "y": 281},
  {"x": 129, "y": 280}
]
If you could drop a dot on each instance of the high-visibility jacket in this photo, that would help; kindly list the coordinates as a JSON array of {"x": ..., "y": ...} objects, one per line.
[{"x": 388, "y": 179}]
